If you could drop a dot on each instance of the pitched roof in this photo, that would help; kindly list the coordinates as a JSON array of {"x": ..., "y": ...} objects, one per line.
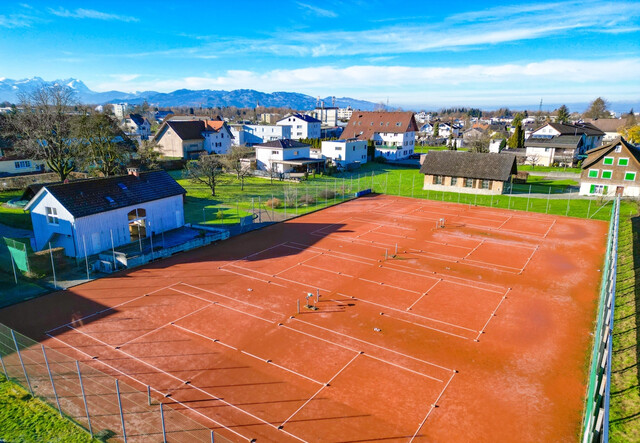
[
  {"x": 186, "y": 129},
  {"x": 594, "y": 155},
  {"x": 307, "y": 118},
  {"x": 137, "y": 119},
  {"x": 363, "y": 125},
  {"x": 282, "y": 144},
  {"x": 87, "y": 197},
  {"x": 575, "y": 129},
  {"x": 606, "y": 124},
  {"x": 559, "y": 141},
  {"x": 489, "y": 166}
]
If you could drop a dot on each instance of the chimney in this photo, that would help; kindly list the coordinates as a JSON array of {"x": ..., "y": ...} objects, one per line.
[{"x": 133, "y": 171}]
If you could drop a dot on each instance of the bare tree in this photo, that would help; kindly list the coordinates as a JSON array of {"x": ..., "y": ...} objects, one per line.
[
  {"x": 234, "y": 161},
  {"x": 148, "y": 154},
  {"x": 273, "y": 171},
  {"x": 533, "y": 160},
  {"x": 207, "y": 170},
  {"x": 44, "y": 130},
  {"x": 480, "y": 143},
  {"x": 107, "y": 147}
]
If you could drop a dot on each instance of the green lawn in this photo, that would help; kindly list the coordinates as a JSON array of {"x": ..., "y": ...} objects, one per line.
[
  {"x": 418, "y": 149},
  {"x": 16, "y": 218},
  {"x": 530, "y": 168},
  {"x": 27, "y": 419},
  {"x": 625, "y": 383}
]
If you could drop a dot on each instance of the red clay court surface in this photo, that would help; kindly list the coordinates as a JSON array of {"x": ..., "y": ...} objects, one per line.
[{"x": 477, "y": 331}]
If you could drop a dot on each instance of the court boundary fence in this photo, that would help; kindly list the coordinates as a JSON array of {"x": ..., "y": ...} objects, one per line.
[
  {"x": 595, "y": 426},
  {"x": 100, "y": 403}
]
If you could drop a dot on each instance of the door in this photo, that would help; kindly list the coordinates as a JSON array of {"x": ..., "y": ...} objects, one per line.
[{"x": 620, "y": 190}]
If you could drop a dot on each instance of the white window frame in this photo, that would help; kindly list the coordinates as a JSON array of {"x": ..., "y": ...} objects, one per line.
[
  {"x": 597, "y": 173},
  {"x": 623, "y": 158},
  {"x": 52, "y": 215},
  {"x": 630, "y": 172},
  {"x": 606, "y": 178},
  {"x": 604, "y": 161}
]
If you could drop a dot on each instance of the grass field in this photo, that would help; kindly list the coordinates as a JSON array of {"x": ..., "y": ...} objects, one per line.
[
  {"x": 547, "y": 169},
  {"x": 24, "y": 418},
  {"x": 16, "y": 218},
  {"x": 625, "y": 380}
]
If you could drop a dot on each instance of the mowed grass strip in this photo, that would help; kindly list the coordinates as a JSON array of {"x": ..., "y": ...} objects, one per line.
[
  {"x": 625, "y": 384},
  {"x": 24, "y": 418},
  {"x": 13, "y": 217}
]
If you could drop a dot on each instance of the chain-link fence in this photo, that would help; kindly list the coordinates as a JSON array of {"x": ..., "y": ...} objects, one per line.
[
  {"x": 596, "y": 416},
  {"x": 106, "y": 407}
]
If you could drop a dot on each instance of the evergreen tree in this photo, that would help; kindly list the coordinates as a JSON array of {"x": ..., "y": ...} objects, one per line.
[{"x": 563, "y": 115}]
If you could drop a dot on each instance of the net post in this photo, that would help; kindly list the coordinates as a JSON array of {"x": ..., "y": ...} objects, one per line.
[
  {"x": 212, "y": 437},
  {"x": 53, "y": 386},
  {"x": 149, "y": 394},
  {"x": 26, "y": 376},
  {"x": 164, "y": 431},
  {"x": 317, "y": 295},
  {"x": 84, "y": 398},
  {"x": 298, "y": 305},
  {"x": 396, "y": 248},
  {"x": 124, "y": 430}
]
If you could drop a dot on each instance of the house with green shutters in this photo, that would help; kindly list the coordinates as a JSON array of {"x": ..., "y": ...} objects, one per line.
[{"x": 612, "y": 169}]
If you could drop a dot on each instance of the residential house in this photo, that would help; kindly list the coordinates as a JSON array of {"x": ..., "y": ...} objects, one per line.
[
  {"x": 137, "y": 125},
  {"x": 120, "y": 110},
  {"x": 612, "y": 169},
  {"x": 160, "y": 116},
  {"x": 190, "y": 138},
  {"x": 467, "y": 172},
  {"x": 560, "y": 143},
  {"x": 269, "y": 118},
  {"x": 86, "y": 217},
  {"x": 18, "y": 165},
  {"x": 345, "y": 113},
  {"x": 445, "y": 130},
  {"x": 302, "y": 126},
  {"x": 249, "y": 135},
  {"x": 283, "y": 156},
  {"x": 393, "y": 133},
  {"x": 345, "y": 152},
  {"x": 609, "y": 126}
]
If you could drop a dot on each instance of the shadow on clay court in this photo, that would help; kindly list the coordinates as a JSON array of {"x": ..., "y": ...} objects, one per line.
[{"x": 35, "y": 317}]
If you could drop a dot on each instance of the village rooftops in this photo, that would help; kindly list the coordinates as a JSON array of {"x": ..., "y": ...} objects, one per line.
[
  {"x": 363, "y": 125},
  {"x": 489, "y": 166},
  {"x": 576, "y": 129},
  {"x": 93, "y": 196},
  {"x": 192, "y": 129},
  {"x": 282, "y": 144},
  {"x": 566, "y": 141},
  {"x": 594, "y": 155},
  {"x": 306, "y": 118}
]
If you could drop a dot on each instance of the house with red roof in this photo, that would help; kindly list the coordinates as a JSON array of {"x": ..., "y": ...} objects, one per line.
[{"x": 393, "y": 133}]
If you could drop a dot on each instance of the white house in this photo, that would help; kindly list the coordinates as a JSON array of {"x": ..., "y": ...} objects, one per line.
[
  {"x": 83, "y": 216},
  {"x": 562, "y": 143},
  {"x": 345, "y": 113},
  {"x": 328, "y": 116},
  {"x": 137, "y": 125},
  {"x": 15, "y": 165},
  {"x": 190, "y": 138},
  {"x": 345, "y": 152},
  {"x": 120, "y": 110},
  {"x": 610, "y": 127},
  {"x": 392, "y": 133},
  {"x": 249, "y": 135},
  {"x": 283, "y": 156},
  {"x": 302, "y": 126}
]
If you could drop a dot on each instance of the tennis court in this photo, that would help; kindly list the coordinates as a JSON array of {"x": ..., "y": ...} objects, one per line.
[{"x": 383, "y": 318}]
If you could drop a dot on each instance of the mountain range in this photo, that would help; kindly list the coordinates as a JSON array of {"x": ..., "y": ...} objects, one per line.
[{"x": 10, "y": 91}]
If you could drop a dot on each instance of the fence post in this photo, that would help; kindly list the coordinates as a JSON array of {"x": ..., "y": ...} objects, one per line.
[
  {"x": 84, "y": 398},
  {"x": 13, "y": 266},
  {"x": 400, "y": 183},
  {"x": 53, "y": 268},
  {"x": 548, "y": 197},
  {"x": 528, "y": 197},
  {"x": 259, "y": 209},
  {"x": 113, "y": 250},
  {"x": 589, "y": 208},
  {"x": 568, "y": 203},
  {"x": 4, "y": 368},
  {"x": 53, "y": 386},
  {"x": 149, "y": 394},
  {"x": 212, "y": 437},
  {"x": 124, "y": 430},
  {"x": 413, "y": 184},
  {"x": 26, "y": 376},
  {"x": 86, "y": 259},
  {"x": 164, "y": 431}
]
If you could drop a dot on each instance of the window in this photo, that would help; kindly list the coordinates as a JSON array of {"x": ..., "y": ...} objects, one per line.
[
  {"x": 454, "y": 181},
  {"x": 274, "y": 152},
  {"x": 52, "y": 215},
  {"x": 630, "y": 176},
  {"x": 485, "y": 184},
  {"x": 618, "y": 148},
  {"x": 593, "y": 173},
  {"x": 21, "y": 164},
  {"x": 338, "y": 148},
  {"x": 606, "y": 174},
  {"x": 221, "y": 135},
  {"x": 295, "y": 152},
  {"x": 437, "y": 180},
  {"x": 608, "y": 160},
  {"x": 468, "y": 183},
  {"x": 623, "y": 162}
]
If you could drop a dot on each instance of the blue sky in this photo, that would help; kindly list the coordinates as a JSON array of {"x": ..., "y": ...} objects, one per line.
[{"x": 426, "y": 54}]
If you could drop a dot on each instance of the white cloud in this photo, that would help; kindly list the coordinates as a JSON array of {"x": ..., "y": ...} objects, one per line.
[
  {"x": 317, "y": 11},
  {"x": 17, "y": 21},
  {"x": 124, "y": 77},
  {"x": 82, "y": 13},
  {"x": 504, "y": 82}
]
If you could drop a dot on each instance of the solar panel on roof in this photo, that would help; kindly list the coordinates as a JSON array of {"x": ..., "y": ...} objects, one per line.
[
  {"x": 123, "y": 186},
  {"x": 110, "y": 200}
]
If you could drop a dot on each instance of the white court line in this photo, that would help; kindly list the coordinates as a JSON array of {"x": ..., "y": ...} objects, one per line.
[
  {"x": 327, "y": 270},
  {"x": 228, "y": 297},
  {"x": 432, "y": 408},
  {"x": 408, "y": 313},
  {"x": 318, "y": 391},
  {"x": 428, "y": 327},
  {"x": 192, "y": 385},
  {"x": 249, "y": 276},
  {"x": 449, "y": 278},
  {"x": 391, "y": 225},
  {"x": 511, "y": 244},
  {"x": 280, "y": 278},
  {"x": 492, "y": 314},
  {"x": 346, "y": 239},
  {"x": 388, "y": 285},
  {"x": 297, "y": 264},
  {"x": 336, "y": 252},
  {"x": 549, "y": 230},
  {"x": 474, "y": 249},
  {"x": 403, "y": 368},
  {"x": 528, "y": 260},
  {"x": 425, "y": 293},
  {"x": 263, "y": 360},
  {"x": 491, "y": 265},
  {"x": 107, "y": 309},
  {"x": 375, "y": 345},
  {"x": 255, "y": 253},
  {"x": 333, "y": 224}
]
